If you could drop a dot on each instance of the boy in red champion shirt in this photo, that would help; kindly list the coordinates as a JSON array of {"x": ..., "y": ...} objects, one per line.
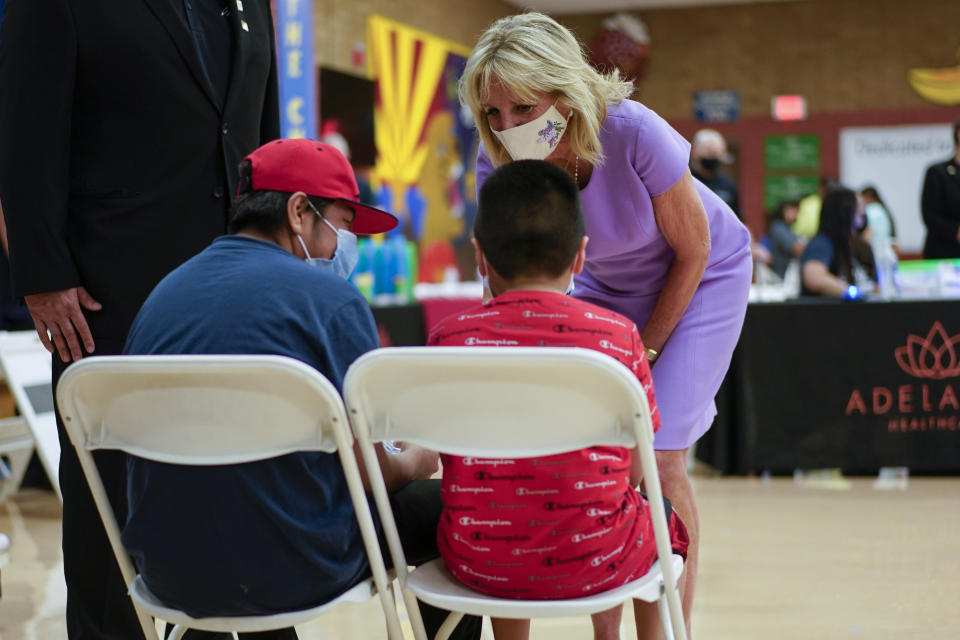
[{"x": 560, "y": 526}]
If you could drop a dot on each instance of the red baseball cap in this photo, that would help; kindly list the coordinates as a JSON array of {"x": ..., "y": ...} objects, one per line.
[{"x": 318, "y": 170}]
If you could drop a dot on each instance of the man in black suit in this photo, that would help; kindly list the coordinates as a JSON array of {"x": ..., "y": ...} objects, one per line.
[
  {"x": 940, "y": 204},
  {"x": 121, "y": 128}
]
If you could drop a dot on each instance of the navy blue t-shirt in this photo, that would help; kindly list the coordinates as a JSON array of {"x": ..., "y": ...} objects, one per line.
[
  {"x": 820, "y": 248},
  {"x": 266, "y": 536}
]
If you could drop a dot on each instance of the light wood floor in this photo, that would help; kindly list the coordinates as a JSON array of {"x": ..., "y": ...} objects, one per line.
[{"x": 779, "y": 560}]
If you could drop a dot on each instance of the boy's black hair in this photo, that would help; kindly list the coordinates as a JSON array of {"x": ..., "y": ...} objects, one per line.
[
  {"x": 262, "y": 211},
  {"x": 529, "y": 221}
]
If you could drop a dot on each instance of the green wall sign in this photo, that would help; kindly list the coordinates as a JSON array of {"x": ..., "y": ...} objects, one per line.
[
  {"x": 791, "y": 152},
  {"x": 780, "y": 188}
]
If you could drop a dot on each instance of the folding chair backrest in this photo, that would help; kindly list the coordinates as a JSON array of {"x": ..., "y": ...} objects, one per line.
[
  {"x": 499, "y": 402},
  {"x": 474, "y": 401},
  {"x": 26, "y": 367},
  {"x": 199, "y": 410},
  {"x": 210, "y": 410}
]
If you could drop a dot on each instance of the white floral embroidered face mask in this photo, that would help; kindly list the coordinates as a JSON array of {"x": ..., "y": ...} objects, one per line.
[{"x": 536, "y": 139}]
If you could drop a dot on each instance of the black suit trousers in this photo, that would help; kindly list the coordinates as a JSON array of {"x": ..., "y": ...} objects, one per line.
[{"x": 98, "y": 607}]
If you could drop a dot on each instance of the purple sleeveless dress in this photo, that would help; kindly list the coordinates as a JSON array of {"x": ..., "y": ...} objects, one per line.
[{"x": 628, "y": 258}]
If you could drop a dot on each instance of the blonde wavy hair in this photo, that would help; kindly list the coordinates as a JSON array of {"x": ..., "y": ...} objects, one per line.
[{"x": 531, "y": 53}]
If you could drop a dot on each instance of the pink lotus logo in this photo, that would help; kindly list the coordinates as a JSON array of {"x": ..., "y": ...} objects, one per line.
[{"x": 932, "y": 357}]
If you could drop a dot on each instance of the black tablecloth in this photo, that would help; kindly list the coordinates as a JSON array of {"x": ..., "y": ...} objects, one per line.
[
  {"x": 400, "y": 325},
  {"x": 822, "y": 383},
  {"x": 855, "y": 385}
]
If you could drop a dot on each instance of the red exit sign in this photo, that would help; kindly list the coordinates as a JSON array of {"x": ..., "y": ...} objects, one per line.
[{"x": 791, "y": 107}]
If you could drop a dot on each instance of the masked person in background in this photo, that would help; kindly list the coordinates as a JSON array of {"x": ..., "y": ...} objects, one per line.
[
  {"x": 707, "y": 154},
  {"x": 276, "y": 285}
]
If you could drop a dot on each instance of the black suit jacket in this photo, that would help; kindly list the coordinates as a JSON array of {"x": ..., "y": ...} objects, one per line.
[
  {"x": 116, "y": 162},
  {"x": 940, "y": 204}
]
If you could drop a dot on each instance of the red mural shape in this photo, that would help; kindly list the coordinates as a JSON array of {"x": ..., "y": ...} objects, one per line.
[{"x": 934, "y": 356}]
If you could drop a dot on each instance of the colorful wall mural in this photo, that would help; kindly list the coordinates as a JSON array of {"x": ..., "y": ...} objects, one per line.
[{"x": 426, "y": 144}]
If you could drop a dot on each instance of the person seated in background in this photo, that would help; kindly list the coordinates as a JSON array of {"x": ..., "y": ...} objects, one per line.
[
  {"x": 836, "y": 262},
  {"x": 880, "y": 225},
  {"x": 784, "y": 244},
  {"x": 880, "y": 235},
  {"x": 808, "y": 215},
  {"x": 278, "y": 534},
  {"x": 529, "y": 244}
]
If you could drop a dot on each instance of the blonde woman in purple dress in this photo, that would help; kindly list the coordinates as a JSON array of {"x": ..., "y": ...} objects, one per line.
[{"x": 663, "y": 251}]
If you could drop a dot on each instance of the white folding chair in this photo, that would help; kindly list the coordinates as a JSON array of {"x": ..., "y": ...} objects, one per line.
[
  {"x": 509, "y": 402},
  {"x": 25, "y": 365},
  {"x": 212, "y": 410}
]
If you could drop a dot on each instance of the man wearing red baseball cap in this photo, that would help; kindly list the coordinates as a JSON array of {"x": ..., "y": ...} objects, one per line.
[
  {"x": 313, "y": 178},
  {"x": 276, "y": 285}
]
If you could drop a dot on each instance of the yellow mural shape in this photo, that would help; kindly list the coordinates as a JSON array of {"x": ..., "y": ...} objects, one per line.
[
  {"x": 407, "y": 83},
  {"x": 443, "y": 222},
  {"x": 938, "y": 85}
]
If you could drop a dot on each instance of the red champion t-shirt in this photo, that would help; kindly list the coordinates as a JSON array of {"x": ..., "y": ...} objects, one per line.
[{"x": 558, "y": 526}]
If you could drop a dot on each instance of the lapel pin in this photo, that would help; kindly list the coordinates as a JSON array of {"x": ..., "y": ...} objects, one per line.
[{"x": 951, "y": 169}]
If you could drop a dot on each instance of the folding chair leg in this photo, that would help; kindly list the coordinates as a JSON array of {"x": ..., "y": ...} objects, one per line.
[
  {"x": 665, "y": 620},
  {"x": 413, "y": 613},
  {"x": 449, "y": 625},
  {"x": 12, "y": 476}
]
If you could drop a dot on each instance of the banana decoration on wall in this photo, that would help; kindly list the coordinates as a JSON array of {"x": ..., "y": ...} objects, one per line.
[{"x": 938, "y": 85}]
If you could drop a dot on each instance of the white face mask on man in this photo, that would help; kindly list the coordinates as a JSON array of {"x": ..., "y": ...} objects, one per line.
[
  {"x": 346, "y": 255},
  {"x": 536, "y": 139}
]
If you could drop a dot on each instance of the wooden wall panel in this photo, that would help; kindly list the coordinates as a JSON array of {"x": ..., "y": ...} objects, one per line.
[{"x": 840, "y": 54}]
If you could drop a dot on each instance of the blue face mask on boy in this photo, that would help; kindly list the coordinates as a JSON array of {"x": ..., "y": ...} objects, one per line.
[{"x": 346, "y": 255}]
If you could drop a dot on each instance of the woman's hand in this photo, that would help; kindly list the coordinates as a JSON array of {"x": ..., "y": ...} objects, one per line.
[{"x": 682, "y": 220}]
